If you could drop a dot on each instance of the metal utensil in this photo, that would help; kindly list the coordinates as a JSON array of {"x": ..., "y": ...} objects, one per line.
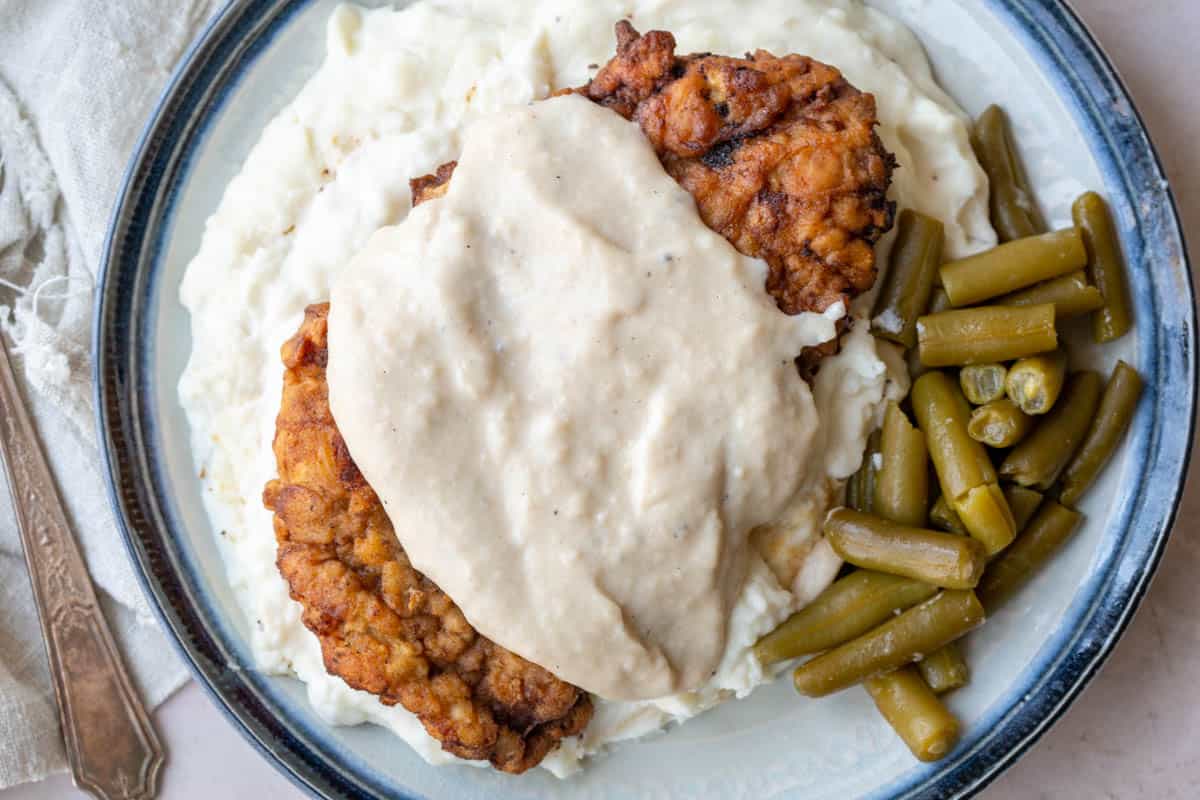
[{"x": 111, "y": 745}]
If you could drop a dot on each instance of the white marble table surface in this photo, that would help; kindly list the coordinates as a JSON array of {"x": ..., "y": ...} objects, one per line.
[{"x": 1134, "y": 732}]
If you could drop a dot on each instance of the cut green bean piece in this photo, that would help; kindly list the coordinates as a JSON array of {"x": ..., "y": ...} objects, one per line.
[
  {"x": 915, "y": 259},
  {"x": 945, "y": 670},
  {"x": 942, "y": 413},
  {"x": 1034, "y": 383},
  {"x": 1071, "y": 295},
  {"x": 986, "y": 515},
  {"x": 986, "y": 334},
  {"x": 999, "y": 423},
  {"x": 902, "y": 484},
  {"x": 1023, "y": 503},
  {"x": 943, "y": 517},
  {"x": 1051, "y": 526},
  {"x": 941, "y": 559},
  {"x": 1112, "y": 419},
  {"x": 982, "y": 383},
  {"x": 848, "y": 608},
  {"x": 915, "y": 713},
  {"x": 860, "y": 489},
  {"x": 1012, "y": 266},
  {"x": 1039, "y": 459},
  {"x": 1013, "y": 208},
  {"x": 899, "y": 641},
  {"x": 1107, "y": 266}
]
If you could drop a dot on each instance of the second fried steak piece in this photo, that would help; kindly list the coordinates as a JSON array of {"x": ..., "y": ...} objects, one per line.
[
  {"x": 780, "y": 154},
  {"x": 383, "y": 626}
]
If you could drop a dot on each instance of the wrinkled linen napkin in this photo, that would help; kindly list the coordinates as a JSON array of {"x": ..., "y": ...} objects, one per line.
[{"x": 78, "y": 81}]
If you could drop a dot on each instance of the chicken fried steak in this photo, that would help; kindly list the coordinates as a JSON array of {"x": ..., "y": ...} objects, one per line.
[
  {"x": 782, "y": 158},
  {"x": 383, "y": 626}
]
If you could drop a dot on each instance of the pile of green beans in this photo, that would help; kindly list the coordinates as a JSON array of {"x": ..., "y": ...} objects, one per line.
[{"x": 1013, "y": 436}]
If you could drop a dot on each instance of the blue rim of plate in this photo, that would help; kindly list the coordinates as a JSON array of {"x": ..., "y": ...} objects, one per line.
[{"x": 126, "y": 417}]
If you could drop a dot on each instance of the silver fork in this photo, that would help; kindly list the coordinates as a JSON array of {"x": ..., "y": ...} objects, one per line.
[{"x": 111, "y": 744}]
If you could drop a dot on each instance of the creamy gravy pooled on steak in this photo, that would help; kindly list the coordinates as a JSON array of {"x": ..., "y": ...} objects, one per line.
[{"x": 574, "y": 399}]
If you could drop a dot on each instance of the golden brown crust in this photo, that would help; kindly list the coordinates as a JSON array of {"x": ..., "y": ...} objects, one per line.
[
  {"x": 430, "y": 187},
  {"x": 780, "y": 154},
  {"x": 383, "y": 626}
]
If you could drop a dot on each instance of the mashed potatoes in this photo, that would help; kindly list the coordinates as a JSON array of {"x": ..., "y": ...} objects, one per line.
[{"x": 390, "y": 103}]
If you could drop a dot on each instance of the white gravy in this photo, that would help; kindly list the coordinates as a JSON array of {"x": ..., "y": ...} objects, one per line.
[{"x": 574, "y": 399}]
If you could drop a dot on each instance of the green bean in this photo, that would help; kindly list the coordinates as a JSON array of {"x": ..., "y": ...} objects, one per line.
[
  {"x": 897, "y": 642},
  {"x": 1107, "y": 266},
  {"x": 902, "y": 484},
  {"x": 1014, "y": 211},
  {"x": 1034, "y": 383},
  {"x": 1109, "y": 425},
  {"x": 982, "y": 383},
  {"x": 939, "y": 301},
  {"x": 985, "y": 334},
  {"x": 1071, "y": 295},
  {"x": 860, "y": 489},
  {"x": 999, "y": 423},
  {"x": 941, "y": 410},
  {"x": 1051, "y": 526},
  {"x": 945, "y": 669},
  {"x": 915, "y": 259},
  {"x": 1038, "y": 460},
  {"x": 915, "y": 713},
  {"x": 985, "y": 513},
  {"x": 1012, "y": 266},
  {"x": 940, "y": 559},
  {"x": 848, "y": 608},
  {"x": 1023, "y": 503},
  {"x": 944, "y": 517}
]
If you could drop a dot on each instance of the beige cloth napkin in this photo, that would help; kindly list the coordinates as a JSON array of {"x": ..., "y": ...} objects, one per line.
[{"x": 78, "y": 80}]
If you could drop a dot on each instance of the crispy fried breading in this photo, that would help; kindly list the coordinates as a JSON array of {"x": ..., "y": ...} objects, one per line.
[
  {"x": 780, "y": 154},
  {"x": 383, "y": 626},
  {"x": 430, "y": 187}
]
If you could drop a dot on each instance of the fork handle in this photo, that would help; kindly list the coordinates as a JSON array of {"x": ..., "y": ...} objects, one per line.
[{"x": 111, "y": 744}]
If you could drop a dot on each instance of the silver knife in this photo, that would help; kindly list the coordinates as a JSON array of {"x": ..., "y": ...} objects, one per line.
[{"x": 111, "y": 744}]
